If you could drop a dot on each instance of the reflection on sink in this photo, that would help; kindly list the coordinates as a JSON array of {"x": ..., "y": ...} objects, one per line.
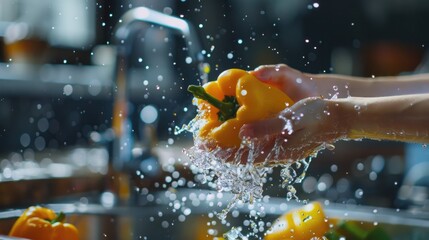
[
  {"x": 190, "y": 214},
  {"x": 52, "y": 175},
  {"x": 53, "y": 164}
]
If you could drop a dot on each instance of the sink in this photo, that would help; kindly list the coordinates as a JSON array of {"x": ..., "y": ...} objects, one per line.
[{"x": 190, "y": 214}]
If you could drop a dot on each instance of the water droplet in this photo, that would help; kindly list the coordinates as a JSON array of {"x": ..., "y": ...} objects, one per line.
[
  {"x": 149, "y": 114},
  {"x": 335, "y": 87},
  {"x": 188, "y": 60},
  {"x": 360, "y": 166},
  {"x": 356, "y": 107},
  {"x": 321, "y": 186},
  {"x": 372, "y": 176},
  {"x": 329, "y": 146},
  {"x": 165, "y": 224},
  {"x": 40, "y": 143},
  {"x": 230, "y": 55},
  {"x": 298, "y": 80},
  {"x": 25, "y": 140},
  {"x": 43, "y": 124},
  {"x": 243, "y": 92},
  {"x": 68, "y": 89},
  {"x": 358, "y": 193}
]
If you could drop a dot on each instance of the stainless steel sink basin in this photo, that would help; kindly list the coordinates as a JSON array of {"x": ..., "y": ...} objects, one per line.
[{"x": 189, "y": 214}]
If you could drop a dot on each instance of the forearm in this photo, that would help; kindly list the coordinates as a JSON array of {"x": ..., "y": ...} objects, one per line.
[
  {"x": 330, "y": 84},
  {"x": 401, "y": 118}
]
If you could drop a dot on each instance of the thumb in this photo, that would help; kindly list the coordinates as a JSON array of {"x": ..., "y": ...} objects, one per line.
[{"x": 267, "y": 73}]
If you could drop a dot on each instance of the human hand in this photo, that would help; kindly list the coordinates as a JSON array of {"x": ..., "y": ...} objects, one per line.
[
  {"x": 299, "y": 131},
  {"x": 295, "y": 84}
]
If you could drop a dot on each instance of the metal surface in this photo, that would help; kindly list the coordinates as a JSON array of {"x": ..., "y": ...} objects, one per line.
[
  {"x": 161, "y": 219},
  {"x": 137, "y": 21}
]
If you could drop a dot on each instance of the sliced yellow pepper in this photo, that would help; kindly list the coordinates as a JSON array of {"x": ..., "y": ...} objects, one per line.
[
  {"x": 38, "y": 223},
  {"x": 308, "y": 222},
  {"x": 234, "y": 99}
]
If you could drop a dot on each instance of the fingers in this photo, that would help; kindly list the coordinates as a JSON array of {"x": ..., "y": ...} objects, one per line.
[
  {"x": 262, "y": 128},
  {"x": 291, "y": 81},
  {"x": 271, "y": 73}
]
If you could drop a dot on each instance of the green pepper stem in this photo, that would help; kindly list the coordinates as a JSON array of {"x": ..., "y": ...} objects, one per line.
[
  {"x": 227, "y": 108},
  {"x": 354, "y": 230},
  {"x": 60, "y": 218}
]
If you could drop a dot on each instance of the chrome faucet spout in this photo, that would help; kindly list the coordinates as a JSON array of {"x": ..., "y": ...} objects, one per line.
[
  {"x": 134, "y": 22},
  {"x": 125, "y": 30}
]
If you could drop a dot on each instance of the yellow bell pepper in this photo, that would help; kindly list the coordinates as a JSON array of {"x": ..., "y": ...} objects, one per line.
[
  {"x": 234, "y": 99},
  {"x": 308, "y": 222},
  {"x": 38, "y": 223}
]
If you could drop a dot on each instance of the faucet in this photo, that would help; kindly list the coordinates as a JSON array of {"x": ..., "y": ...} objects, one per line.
[{"x": 132, "y": 23}]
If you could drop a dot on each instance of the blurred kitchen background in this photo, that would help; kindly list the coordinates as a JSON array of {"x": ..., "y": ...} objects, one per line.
[{"x": 57, "y": 86}]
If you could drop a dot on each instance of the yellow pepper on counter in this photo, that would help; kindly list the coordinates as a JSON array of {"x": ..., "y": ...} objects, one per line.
[
  {"x": 234, "y": 99},
  {"x": 38, "y": 223},
  {"x": 308, "y": 222}
]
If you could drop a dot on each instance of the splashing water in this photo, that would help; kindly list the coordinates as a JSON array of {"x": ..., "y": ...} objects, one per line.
[
  {"x": 234, "y": 234},
  {"x": 192, "y": 126},
  {"x": 244, "y": 179},
  {"x": 292, "y": 173}
]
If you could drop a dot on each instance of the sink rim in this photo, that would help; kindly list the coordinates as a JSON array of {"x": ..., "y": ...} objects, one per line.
[{"x": 273, "y": 207}]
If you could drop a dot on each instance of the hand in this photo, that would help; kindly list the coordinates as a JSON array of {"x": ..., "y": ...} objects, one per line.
[
  {"x": 298, "y": 131},
  {"x": 295, "y": 84}
]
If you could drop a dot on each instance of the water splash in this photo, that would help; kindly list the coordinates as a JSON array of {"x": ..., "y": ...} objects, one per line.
[
  {"x": 192, "y": 126},
  {"x": 234, "y": 170},
  {"x": 245, "y": 180},
  {"x": 234, "y": 234},
  {"x": 293, "y": 173}
]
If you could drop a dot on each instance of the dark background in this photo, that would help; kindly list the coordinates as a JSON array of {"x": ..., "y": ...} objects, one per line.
[{"x": 362, "y": 38}]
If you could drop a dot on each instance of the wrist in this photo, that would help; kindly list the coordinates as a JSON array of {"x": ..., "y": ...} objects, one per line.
[
  {"x": 327, "y": 86},
  {"x": 344, "y": 117}
]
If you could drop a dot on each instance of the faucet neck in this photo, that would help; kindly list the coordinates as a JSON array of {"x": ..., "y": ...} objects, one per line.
[
  {"x": 134, "y": 22},
  {"x": 140, "y": 19}
]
